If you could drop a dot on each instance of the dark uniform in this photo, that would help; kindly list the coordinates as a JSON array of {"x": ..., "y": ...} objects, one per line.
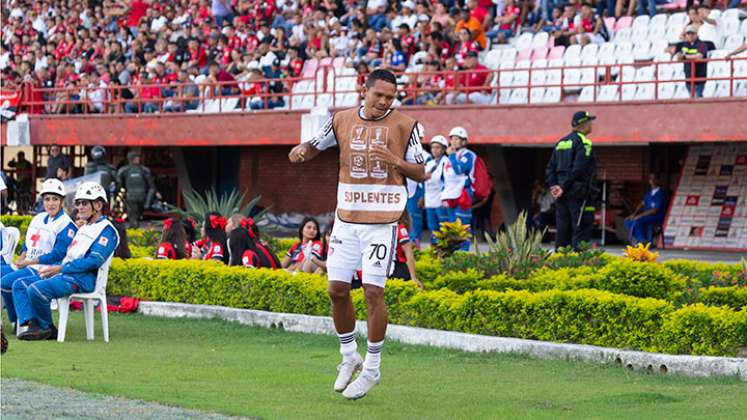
[
  {"x": 573, "y": 167},
  {"x": 138, "y": 183},
  {"x": 98, "y": 164}
]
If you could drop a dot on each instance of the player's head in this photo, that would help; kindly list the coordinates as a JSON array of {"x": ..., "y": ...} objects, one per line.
[
  {"x": 380, "y": 91},
  {"x": 52, "y": 192},
  {"x": 90, "y": 200}
]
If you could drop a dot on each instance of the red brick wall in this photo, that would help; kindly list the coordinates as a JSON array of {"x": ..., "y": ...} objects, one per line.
[
  {"x": 308, "y": 188},
  {"x": 629, "y": 163}
]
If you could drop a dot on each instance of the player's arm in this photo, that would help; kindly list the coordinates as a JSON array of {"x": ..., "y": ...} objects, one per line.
[{"x": 323, "y": 140}]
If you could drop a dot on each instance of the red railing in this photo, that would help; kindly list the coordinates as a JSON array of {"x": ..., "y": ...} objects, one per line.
[{"x": 217, "y": 97}]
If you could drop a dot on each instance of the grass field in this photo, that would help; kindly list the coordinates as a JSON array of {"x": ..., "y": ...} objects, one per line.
[{"x": 228, "y": 368}]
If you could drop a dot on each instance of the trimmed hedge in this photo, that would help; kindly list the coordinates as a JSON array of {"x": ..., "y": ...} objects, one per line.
[
  {"x": 700, "y": 273},
  {"x": 580, "y": 316},
  {"x": 21, "y": 222},
  {"x": 734, "y": 297}
]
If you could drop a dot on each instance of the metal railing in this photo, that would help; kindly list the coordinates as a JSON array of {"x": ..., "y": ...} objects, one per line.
[{"x": 322, "y": 89}]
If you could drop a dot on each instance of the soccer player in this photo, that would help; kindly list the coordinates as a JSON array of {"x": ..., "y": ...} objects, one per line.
[{"x": 379, "y": 148}]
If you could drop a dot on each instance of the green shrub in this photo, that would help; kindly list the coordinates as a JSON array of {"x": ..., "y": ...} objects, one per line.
[
  {"x": 703, "y": 274},
  {"x": 458, "y": 281},
  {"x": 143, "y": 251},
  {"x": 463, "y": 261},
  {"x": 517, "y": 251},
  {"x": 577, "y": 316},
  {"x": 641, "y": 279},
  {"x": 20, "y": 222},
  {"x": 427, "y": 268},
  {"x": 585, "y": 256},
  {"x": 700, "y": 329},
  {"x": 734, "y": 297},
  {"x": 500, "y": 283},
  {"x": 147, "y": 237}
]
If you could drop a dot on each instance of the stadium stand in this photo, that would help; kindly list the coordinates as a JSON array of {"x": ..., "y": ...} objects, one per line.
[{"x": 146, "y": 56}]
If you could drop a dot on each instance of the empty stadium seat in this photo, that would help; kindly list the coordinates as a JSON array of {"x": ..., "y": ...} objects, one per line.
[
  {"x": 519, "y": 96},
  {"x": 553, "y": 95},
  {"x": 622, "y": 35},
  {"x": 623, "y": 49},
  {"x": 733, "y": 41},
  {"x": 628, "y": 74},
  {"x": 524, "y": 41},
  {"x": 743, "y": 28},
  {"x": 708, "y": 32},
  {"x": 539, "y": 53},
  {"x": 524, "y": 55},
  {"x": 509, "y": 54},
  {"x": 678, "y": 21},
  {"x": 729, "y": 26},
  {"x": 521, "y": 78},
  {"x": 587, "y": 94},
  {"x": 659, "y": 20},
  {"x": 645, "y": 92},
  {"x": 642, "y": 50},
  {"x": 628, "y": 92},
  {"x": 658, "y": 46},
  {"x": 681, "y": 91},
  {"x": 537, "y": 95},
  {"x": 673, "y": 34},
  {"x": 504, "y": 95},
  {"x": 608, "y": 93},
  {"x": 572, "y": 52},
  {"x": 716, "y": 89},
  {"x": 492, "y": 60},
  {"x": 572, "y": 75},
  {"x": 540, "y": 40},
  {"x": 666, "y": 90},
  {"x": 589, "y": 51},
  {"x": 664, "y": 72},
  {"x": 556, "y": 52},
  {"x": 623, "y": 22}
]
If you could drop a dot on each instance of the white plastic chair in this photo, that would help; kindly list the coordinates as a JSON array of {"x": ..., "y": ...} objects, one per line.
[
  {"x": 553, "y": 94},
  {"x": 623, "y": 35},
  {"x": 8, "y": 250},
  {"x": 677, "y": 20},
  {"x": 98, "y": 294},
  {"x": 518, "y": 96},
  {"x": 540, "y": 40},
  {"x": 589, "y": 51},
  {"x": 587, "y": 94},
  {"x": 729, "y": 26},
  {"x": 733, "y": 42},
  {"x": 608, "y": 93},
  {"x": 537, "y": 95},
  {"x": 743, "y": 28},
  {"x": 642, "y": 50},
  {"x": 660, "y": 19},
  {"x": 525, "y": 41},
  {"x": 572, "y": 52},
  {"x": 666, "y": 90}
]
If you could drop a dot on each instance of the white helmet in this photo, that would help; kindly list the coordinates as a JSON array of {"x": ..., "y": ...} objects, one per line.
[
  {"x": 439, "y": 139},
  {"x": 90, "y": 191},
  {"x": 459, "y": 132},
  {"x": 53, "y": 186}
]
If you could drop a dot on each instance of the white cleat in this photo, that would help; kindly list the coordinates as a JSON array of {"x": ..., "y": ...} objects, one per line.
[
  {"x": 345, "y": 372},
  {"x": 360, "y": 387}
]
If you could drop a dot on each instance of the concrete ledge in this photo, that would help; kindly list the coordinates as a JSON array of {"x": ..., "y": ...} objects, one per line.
[{"x": 694, "y": 366}]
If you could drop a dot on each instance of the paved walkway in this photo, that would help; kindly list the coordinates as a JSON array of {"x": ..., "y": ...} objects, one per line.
[{"x": 31, "y": 400}]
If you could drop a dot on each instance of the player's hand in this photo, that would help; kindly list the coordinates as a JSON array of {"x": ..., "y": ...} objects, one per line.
[
  {"x": 383, "y": 154},
  {"x": 419, "y": 284},
  {"x": 49, "y": 271},
  {"x": 299, "y": 153}
]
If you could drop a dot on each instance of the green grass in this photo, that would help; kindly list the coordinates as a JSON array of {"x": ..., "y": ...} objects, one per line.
[{"x": 233, "y": 369}]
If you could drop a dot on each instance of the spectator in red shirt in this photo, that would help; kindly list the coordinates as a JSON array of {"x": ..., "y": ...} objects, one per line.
[
  {"x": 308, "y": 242},
  {"x": 228, "y": 84},
  {"x": 506, "y": 24},
  {"x": 213, "y": 246},
  {"x": 173, "y": 244},
  {"x": 137, "y": 10},
  {"x": 474, "y": 84},
  {"x": 404, "y": 264},
  {"x": 148, "y": 92}
]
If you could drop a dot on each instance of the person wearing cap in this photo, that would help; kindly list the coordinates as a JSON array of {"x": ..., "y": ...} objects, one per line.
[
  {"x": 47, "y": 238},
  {"x": 458, "y": 175},
  {"x": 570, "y": 175},
  {"x": 138, "y": 184},
  {"x": 692, "y": 51},
  {"x": 92, "y": 246},
  {"x": 435, "y": 212}
]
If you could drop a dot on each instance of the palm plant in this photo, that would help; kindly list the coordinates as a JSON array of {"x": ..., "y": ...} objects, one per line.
[
  {"x": 518, "y": 250},
  {"x": 198, "y": 205}
]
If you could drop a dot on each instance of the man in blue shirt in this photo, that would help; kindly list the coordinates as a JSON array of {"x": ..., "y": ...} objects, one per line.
[
  {"x": 92, "y": 247},
  {"x": 649, "y": 213}
]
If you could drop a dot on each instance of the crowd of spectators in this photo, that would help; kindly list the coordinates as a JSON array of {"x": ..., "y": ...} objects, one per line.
[{"x": 108, "y": 52}]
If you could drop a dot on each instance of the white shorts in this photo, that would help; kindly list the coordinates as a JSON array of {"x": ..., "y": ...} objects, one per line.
[{"x": 356, "y": 246}]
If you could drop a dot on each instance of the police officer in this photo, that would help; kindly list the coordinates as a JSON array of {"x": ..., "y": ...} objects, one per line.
[
  {"x": 138, "y": 183},
  {"x": 570, "y": 176},
  {"x": 98, "y": 163}
]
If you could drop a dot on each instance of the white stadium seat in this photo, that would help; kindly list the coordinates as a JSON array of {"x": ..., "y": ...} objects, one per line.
[
  {"x": 729, "y": 26},
  {"x": 645, "y": 92},
  {"x": 540, "y": 40},
  {"x": 628, "y": 92},
  {"x": 743, "y": 28},
  {"x": 733, "y": 41},
  {"x": 518, "y": 96},
  {"x": 553, "y": 95},
  {"x": 493, "y": 59},
  {"x": 608, "y": 93},
  {"x": 524, "y": 41},
  {"x": 682, "y": 91},
  {"x": 589, "y": 51},
  {"x": 624, "y": 34},
  {"x": 642, "y": 50},
  {"x": 678, "y": 21},
  {"x": 666, "y": 90},
  {"x": 537, "y": 95},
  {"x": 574, "y": 51},
  {"x": 587, "y": 94}
]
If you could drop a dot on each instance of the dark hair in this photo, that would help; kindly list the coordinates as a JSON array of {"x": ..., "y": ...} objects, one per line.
[
  {"x": 216, "y": 235},
  {"x": 177, "y": 237},
  {"x": 327, "y": 231},
  {"x": 303, "y": 224},
  {"x": 189, "y": 229},
  {"x": 380, "y": 74},
  {"x": 123, "y": 247},
  {"x": 239, "y": 241}
]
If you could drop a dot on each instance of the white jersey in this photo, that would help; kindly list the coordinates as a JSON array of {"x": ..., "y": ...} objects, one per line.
[
  {"x": 42, "y": 233},
  {"x": 435, "y": 183}
]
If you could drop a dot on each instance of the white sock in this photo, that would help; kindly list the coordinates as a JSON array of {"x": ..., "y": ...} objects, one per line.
[
  {"x": 348, "y": 346},
  {"x": 373, "y": 357}
]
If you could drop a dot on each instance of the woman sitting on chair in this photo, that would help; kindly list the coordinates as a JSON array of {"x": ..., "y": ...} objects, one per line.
[{"x": 91, "y": 248}]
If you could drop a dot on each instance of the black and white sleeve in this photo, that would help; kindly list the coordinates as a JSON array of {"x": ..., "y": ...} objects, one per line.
[
  {"x": 325, "y": 138},
  {"x": 414, "y": 153}
]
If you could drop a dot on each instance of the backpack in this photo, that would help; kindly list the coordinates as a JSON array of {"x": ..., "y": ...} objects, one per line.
[{"x": 482, "y": 184}]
